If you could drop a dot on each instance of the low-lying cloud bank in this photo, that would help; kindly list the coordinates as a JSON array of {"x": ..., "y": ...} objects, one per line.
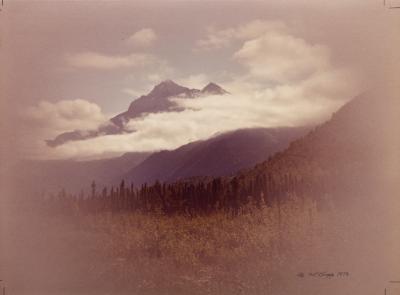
[{"x": 64, "y": 115}]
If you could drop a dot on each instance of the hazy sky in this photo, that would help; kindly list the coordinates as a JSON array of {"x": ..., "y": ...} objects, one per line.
[{"x": 72, "y": 64}]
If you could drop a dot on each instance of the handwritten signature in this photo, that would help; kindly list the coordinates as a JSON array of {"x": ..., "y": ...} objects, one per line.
[{"x": 324, "y": 274}]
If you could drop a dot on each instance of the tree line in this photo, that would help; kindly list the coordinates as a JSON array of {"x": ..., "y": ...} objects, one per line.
[{"x": 227, "y": 194}]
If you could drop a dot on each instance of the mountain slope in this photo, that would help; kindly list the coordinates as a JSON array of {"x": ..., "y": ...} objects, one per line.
[
  {"x": 156, "y": 101},
  {"x": 218, "y": 156},
  {"x": 355, "y": 153}
]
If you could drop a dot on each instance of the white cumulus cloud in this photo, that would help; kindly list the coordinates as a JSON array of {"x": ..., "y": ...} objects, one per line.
[
  {"x": 48, "y": 119},
  {"x": 108, "y": 62},
  {"x": 218, "y": 39},
  {"x": 281, "y": 57},
  {"x": 64, "y": 115},
  {"x": 143, "y": 38}
]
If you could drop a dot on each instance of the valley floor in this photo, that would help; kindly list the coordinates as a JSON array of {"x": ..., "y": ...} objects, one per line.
[{"x": 307, "y": 252}]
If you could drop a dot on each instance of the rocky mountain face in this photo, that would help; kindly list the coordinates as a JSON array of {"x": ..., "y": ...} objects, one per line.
[
  {"x": 213, "y": 89},
  {"x": 156, "y": 101}
]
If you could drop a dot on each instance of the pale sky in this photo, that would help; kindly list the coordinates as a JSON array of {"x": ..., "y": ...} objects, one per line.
[{"x": 73, "y": 64}]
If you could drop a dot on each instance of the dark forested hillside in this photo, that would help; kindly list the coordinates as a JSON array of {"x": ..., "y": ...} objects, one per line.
[
  {"x": 352, "y": 152},
  {"x": 221, "y": 155}
]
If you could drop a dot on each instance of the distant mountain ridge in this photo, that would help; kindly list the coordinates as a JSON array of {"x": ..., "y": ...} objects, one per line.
[
  {"x": 156, "y": 101},
  {"x": 73, "y": 176},
  {"x": 220, "y": 155}
]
